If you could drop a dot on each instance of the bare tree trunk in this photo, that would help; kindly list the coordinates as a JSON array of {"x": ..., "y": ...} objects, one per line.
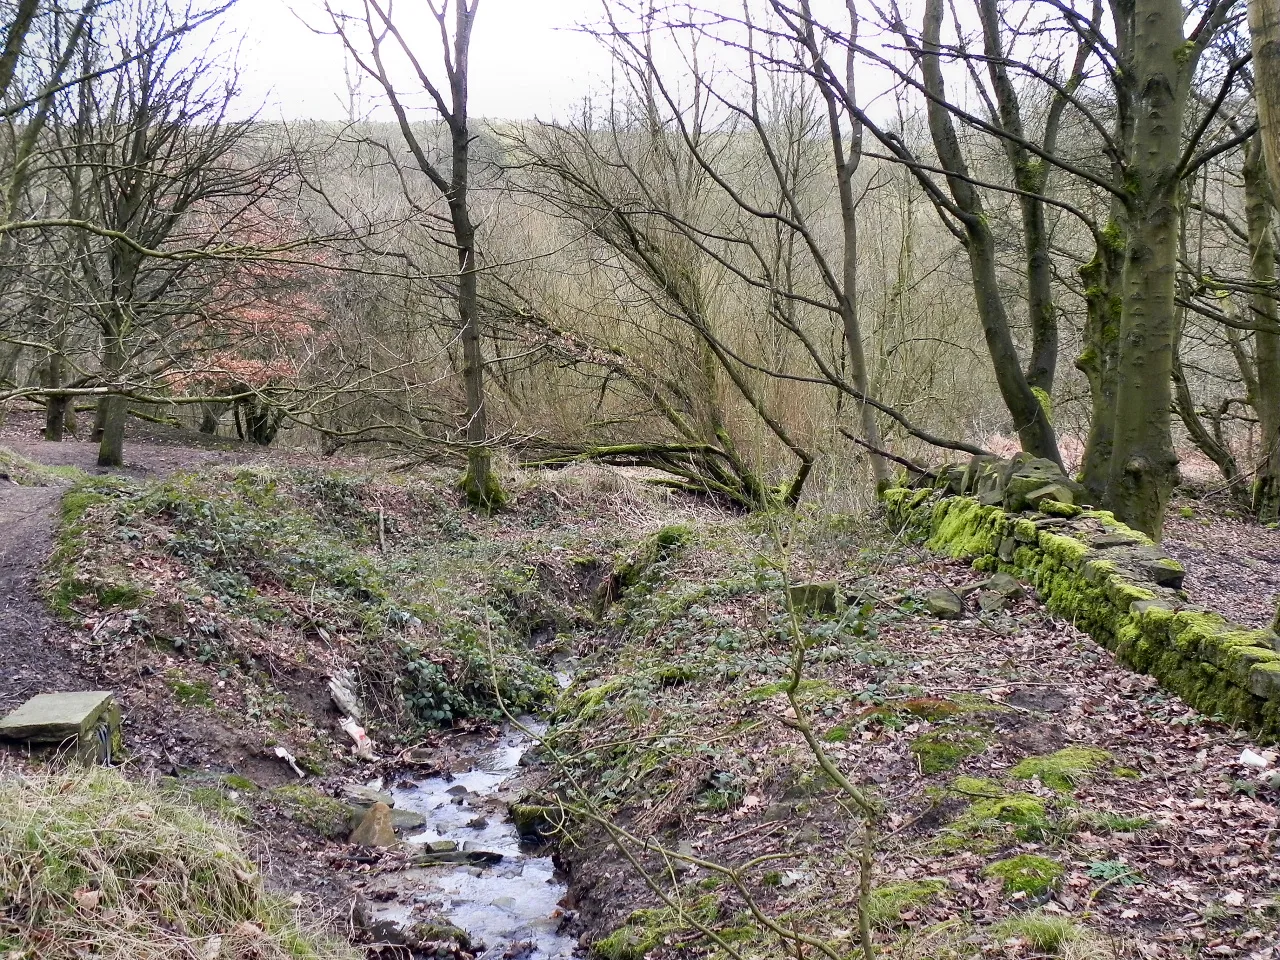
[
  {"x": 1097, "y": 361},
  {"x": 845, "y": 169},
  {"x": 1030, "y": 418},
  {"x": 113, "y": 411},
  {"x": 55, "y": 413},
  {"x": 1144, "y": 465},
  {"x": 1030, "y": 175},
  {"x": 1259, "y": 203},
  {"x": 1264, "y": 29}
]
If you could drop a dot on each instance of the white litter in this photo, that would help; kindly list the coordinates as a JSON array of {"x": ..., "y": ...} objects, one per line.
[
  {"x": 363, "y": 746},
  {"x": 292, "y": 761},
  {"x": 1251, "y": 759},
  {"x": 342, "y": 687}
]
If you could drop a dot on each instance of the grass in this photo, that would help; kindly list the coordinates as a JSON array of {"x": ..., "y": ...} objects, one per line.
[
  {"x": 28, "y": 473},
  {"x": 94, "y": 865},
  {"x": 1048, "y": 933}
]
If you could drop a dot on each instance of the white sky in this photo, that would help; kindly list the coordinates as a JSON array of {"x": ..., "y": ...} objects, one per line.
[{"x": 527, "y": 60}]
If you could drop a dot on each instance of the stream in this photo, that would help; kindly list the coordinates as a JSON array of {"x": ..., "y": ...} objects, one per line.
[{"x": 511, "y": 907}]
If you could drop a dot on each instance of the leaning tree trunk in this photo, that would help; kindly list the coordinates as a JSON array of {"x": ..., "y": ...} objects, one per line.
[
  {"x": 1030, "y": 416},
  {"x": 1266, "y": 339},
  {"x": 1144, "y": 465}
]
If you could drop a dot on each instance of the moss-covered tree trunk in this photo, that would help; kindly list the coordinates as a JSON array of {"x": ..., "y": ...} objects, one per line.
[
  {"x": 1144, "y": 464},
  {"x": 1259, "y": 203}
]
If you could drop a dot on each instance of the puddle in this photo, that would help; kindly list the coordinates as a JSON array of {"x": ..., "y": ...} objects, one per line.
[{"x": 507, "y": 906}]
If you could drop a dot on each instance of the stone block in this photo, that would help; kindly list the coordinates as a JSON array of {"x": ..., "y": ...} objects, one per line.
[
  {"x": 87, "y": 723},
  {"x": 376, "y": 828},
  {"x": 816, "y": 598},
  {"x": 1264, "y": 681},
  {"x": 944, "y": 604}
]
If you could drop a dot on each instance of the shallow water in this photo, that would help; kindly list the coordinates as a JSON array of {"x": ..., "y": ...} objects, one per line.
[{"x": 515, "y": 901}]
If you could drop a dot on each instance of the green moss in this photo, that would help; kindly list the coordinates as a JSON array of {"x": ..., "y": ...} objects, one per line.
[
  {"x": 1045, "y": 401},
  {"x": 970, "y": 787},
  {"x": 1126, "y": 773},
  {"x": 326, "y": 816},
  {"x": 646, "y": 930},
  {"x": 837, "y": 734},
  {"x": 1027, "y": 874},
  {"x": 944, "y": 750},
  {"x": 233, "y": 781},
  {"x": 889, "y": 901},
  {"x": 189, "y": 693},
  {"x": 932, "y": 709},
  {"x": 991, "y": 815},
  {"x": 535, "y": 819},
  {"x": 487, "y": 497},
  {"x": 656, "y": 549},
  {"x": 584, "y": 704},
  {"x": 1102, "y": 822},
  {"x": 1063, "y": 769},
  {"x": 962, "y": 527},
  {"x": 29, "y": 473}
]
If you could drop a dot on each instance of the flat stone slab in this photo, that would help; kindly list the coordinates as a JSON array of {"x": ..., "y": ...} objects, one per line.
[{"x": 59, "y": 717}]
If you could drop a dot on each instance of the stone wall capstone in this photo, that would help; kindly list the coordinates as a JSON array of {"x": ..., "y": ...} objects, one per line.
[{"x": 1024, "y": 517}]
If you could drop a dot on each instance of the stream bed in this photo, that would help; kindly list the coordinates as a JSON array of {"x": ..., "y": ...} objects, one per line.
[{"x": 511, "y": 907}]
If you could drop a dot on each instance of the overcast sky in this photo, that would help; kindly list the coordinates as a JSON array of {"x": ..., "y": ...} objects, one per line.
[{"x": 527, "y": 60}]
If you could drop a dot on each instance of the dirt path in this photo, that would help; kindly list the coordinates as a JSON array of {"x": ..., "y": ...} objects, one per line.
[
  {"x": 37, "y": 651},
  {"x": 34, "y": 646}
]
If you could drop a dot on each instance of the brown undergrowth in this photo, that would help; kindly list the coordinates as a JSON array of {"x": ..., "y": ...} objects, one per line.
[{"x": 1038, "y": 798}]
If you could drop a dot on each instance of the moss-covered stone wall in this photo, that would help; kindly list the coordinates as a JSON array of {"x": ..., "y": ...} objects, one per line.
[{"x": 1109, "y": 580}]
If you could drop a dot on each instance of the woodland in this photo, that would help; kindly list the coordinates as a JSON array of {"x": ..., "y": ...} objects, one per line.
[
  {"x": 818, "y": 497},
  {"x": 792, "y": 249}
]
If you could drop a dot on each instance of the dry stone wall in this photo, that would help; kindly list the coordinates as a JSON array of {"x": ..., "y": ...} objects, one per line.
[{"x": 1025, "y": 518}]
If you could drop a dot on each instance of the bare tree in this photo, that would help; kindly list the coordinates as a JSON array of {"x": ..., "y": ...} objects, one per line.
[{"x": 368, "y": 36}]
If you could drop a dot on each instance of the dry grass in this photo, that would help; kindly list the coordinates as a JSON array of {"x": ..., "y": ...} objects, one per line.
[{"x": 92, "y": 864}]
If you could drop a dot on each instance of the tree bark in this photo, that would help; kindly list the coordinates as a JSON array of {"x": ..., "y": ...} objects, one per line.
[
  {"x": 1030, "y": 175},
  {"x": 1030, "y": 418},
  {"x": 55, "y": 413},
  {"x": 1097, "y": 361},
  {"x": 112, "y": 410},
  {"x": 1264, "y": 30},
  {"x": 1144, "y": 464},
  {"x": 1259, "y": 203}
]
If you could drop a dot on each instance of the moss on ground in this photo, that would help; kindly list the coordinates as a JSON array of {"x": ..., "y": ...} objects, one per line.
[
  {"x": 943, "y": 750},
  {"x": 325, "y": 815},
  {"x": 28, "y": 473},
  {"x": 889, "y": 901},
  {"x": 1045, "y": 932},
  {"x": 1063, "y": 769},
  {"x": 990, "y": 817},
  {"x": 1027, "y": 873},
  {"x": 646, "y": 930}
]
